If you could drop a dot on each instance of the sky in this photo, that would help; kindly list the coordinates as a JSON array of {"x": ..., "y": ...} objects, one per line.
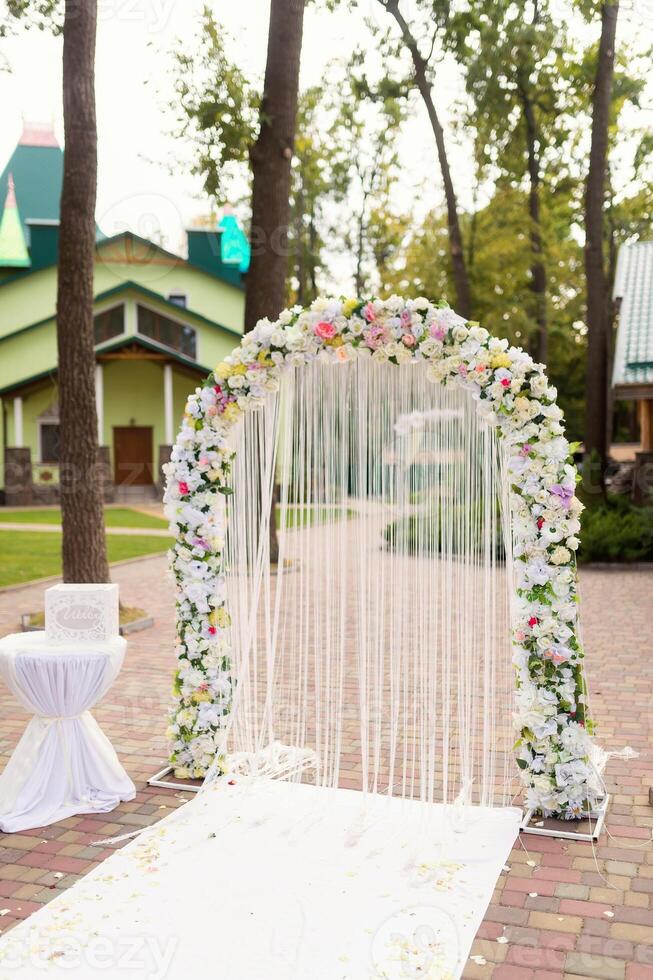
[{"x": 141, "y": 185}]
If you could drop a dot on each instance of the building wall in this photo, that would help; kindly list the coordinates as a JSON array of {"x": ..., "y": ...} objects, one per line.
[
  {"x": 28, "y": 354},
  {"x": 32, "y": 298},
  {"x": 33, "y": 406},
  {"x": 207, "y": 296},
  {"x": 133, "y": 395}
]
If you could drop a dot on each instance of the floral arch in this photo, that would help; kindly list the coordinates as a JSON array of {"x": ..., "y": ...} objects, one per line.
[{"x": 553, "y": 746}]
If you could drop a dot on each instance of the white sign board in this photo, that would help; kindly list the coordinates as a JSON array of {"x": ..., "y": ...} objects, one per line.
[{"x": 79, "y": 613}]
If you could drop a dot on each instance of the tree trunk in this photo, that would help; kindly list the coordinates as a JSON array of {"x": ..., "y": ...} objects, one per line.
[
  {"x": 271, "y": 158},
  {"x": 596, "y": 385},
  {"x": 300, "y": 246},
  {"x": 82, "y": 515},
  {"x": 538, "y": 270},
  {"x": 459, "y": 268}
]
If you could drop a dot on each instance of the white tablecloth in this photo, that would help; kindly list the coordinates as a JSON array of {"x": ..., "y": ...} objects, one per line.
[{"x": 64, "y": 763}]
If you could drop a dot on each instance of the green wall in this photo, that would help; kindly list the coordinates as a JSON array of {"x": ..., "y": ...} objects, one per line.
[
  {"x": 133, "y": 395},
  {"x": 32, "y": 298}
]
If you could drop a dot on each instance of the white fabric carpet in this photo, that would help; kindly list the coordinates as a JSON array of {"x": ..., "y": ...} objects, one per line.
[{"x": 282, "y": 881}]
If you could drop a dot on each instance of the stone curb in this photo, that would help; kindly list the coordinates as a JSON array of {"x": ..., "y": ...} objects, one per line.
[{"x": 57, "y": 578}]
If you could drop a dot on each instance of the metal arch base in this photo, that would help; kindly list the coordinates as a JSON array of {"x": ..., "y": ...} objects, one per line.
[
  {"x": 592, "y": 824},
  {"x": 158, "y": 779}
]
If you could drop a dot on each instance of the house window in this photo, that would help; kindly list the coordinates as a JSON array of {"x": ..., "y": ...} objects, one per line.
[
  {"x": 108, "y": 324},
  {"x": 179, "y": 299},
  {"x": 178, "y": 336},
  {"x": 49, "y": 442}
]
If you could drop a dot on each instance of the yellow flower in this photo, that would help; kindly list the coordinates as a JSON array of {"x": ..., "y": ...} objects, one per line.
[
  {"x": 349, "y": 306},
  {"x": 336, "y": 341},
  {"x": 200, "y": 696},
  {"x": 219, "y": 617},
  {"x": 231, "y": 412},
  {"x": 263, "y": 358},
  {"x": 239, "y": 369},
  {"x": 223, "y": 370},
  {"x": 502, "y": 360},
  {"x": 223, "y": 618}
]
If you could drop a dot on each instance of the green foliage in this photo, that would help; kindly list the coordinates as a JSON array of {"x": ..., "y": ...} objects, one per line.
[
  {"x": 45, "y": 15},
  {"x": 217, "y": 108},
  {"x": 616, "y": 531}
]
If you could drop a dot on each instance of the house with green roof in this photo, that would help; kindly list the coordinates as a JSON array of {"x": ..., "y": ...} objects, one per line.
[
  {"x": 632, "y": 374},
  {"x": 161, "y": 324}
]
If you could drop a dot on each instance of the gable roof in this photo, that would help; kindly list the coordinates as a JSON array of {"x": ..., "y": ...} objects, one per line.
[
  {"x": 230, "y": 277},
  {"x": 633, "y": 287},
  {"x": 129, "y": 286},
  {"x": 108, "y": 347}
]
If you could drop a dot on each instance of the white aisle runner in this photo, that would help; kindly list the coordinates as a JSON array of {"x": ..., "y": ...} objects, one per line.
[{"x": 266, "y": 880}]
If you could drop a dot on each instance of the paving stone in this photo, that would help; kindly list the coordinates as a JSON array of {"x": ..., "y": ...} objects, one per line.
[
  {"x": 598, "y": 967},
  {"x": 596, "y": 946}
]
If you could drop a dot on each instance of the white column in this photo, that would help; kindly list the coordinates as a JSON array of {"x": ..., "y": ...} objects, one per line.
[
  {"x": 99, "y": 402},
  {"x": 18, "y": 421},
  {"x": 167, "y": 403}
]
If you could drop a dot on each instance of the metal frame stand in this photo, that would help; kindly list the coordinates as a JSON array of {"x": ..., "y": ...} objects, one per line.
[
  {"x": 552, "y": 827},
  {"x": 158, "y": 779}
]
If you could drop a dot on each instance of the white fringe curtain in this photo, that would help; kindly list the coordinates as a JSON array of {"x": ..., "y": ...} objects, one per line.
[{"x": 378, "y": 648}]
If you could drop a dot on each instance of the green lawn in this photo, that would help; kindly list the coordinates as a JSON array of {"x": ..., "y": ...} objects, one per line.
[
  {"x": 30, "y": 554},
  {"x": 113, "y": 516},
  {"x": 26, "y": 555}
]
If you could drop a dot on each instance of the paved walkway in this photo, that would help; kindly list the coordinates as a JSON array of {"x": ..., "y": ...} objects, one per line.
[{"x": 564, "y": 910}]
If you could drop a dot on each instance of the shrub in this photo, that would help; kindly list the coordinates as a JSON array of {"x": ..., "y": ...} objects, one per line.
[
  {"x": 616, "y": 531},
  {"x": 409, "y": 533}
]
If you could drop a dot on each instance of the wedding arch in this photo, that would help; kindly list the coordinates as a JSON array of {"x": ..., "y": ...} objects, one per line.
[{"x": 359, "y": 406}]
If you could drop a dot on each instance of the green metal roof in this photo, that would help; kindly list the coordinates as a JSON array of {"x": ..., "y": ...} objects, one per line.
[
  {"x": 13, "y": 249},
  {"x": 633, "y": 361},
  {"x": 37, "y": 168}
]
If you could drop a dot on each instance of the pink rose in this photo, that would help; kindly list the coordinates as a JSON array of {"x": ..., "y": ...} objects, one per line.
[
  {"x": 375, "y": 337},
  {"x": 408, "y": 340},
  {"x": 325, "y": 330},
  {"x": 183, "y": 488},
  {"x": 437, "y": 332},
  {"x": 368, "y": 312},
  {"x": 212, "y": 410}
]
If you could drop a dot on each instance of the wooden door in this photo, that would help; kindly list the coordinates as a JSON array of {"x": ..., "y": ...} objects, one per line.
[{"x": 132, "y": 456}]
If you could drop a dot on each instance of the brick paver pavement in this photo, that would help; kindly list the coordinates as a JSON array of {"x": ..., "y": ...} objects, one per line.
[{"x": 566, "y": 909}]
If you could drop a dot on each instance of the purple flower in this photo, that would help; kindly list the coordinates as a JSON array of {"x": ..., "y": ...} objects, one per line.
[{"x": 565, "y": 494}]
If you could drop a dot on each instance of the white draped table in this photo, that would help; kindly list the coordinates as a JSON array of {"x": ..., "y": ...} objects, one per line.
[{"x": 64, "y": 763}]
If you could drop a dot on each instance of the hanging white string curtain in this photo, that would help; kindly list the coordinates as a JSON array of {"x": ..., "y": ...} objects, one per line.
[{"x": 382, "y": 641}]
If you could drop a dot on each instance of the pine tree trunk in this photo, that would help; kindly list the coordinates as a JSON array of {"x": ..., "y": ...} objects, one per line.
[
  {"x": 596, "y": 390},
  {"x": 82, "y": 515},
  {"x": 458, "y": 265},
  {"x": 271, "y": 158},
  {"x": 538, "y": 269}
]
